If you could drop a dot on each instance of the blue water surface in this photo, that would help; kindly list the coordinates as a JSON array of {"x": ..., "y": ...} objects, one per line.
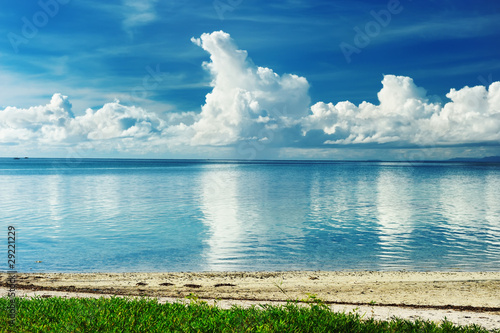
[{"x": 97, "y": 215}]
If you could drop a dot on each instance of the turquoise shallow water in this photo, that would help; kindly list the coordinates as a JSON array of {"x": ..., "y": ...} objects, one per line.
[{"x": 160, "y": 215}]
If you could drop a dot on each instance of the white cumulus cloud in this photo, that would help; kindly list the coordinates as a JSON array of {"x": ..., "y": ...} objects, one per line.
[
  {"x": 44, "y": 123},
  {"x": 112, "y": 127},
  {"x": 245, "y": 97},
  {"x": 252, "y": 107},
  {"x": 406, "y": 115}
]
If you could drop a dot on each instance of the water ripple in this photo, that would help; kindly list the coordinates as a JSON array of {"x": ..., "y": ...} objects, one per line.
[{"x": 196, "y": 216}]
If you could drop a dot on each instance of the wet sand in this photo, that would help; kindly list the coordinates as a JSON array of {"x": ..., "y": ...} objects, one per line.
[{"x": 472, "y": 296}]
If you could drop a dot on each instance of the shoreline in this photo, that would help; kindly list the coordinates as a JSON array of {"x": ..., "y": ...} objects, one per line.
[
  {"x": 401, "y": 288},
  {"x": 462, "y": 297}
]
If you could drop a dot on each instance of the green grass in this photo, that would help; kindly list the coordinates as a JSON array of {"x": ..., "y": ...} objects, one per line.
[{"x": 119, "y": 314}]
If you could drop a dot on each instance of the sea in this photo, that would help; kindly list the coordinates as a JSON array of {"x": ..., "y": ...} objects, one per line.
[{"x": 128, "y": 215}]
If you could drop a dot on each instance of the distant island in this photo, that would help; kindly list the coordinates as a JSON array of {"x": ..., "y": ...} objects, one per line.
[{"x": 489, "y": 159}]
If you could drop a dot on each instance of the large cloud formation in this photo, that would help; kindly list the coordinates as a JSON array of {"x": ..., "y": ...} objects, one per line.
[
  {"x": 245, "y": 98},
  {"x": 406, "y": 116},
  {"x": 113, "y": 127},
  {"x": 252, "y": 104}
]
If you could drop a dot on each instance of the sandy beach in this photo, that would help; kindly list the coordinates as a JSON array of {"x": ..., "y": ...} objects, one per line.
[{"x": 461, "y": 297}]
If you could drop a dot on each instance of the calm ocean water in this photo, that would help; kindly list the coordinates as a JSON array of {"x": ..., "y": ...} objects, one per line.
[{"x": 160, "y": 215}]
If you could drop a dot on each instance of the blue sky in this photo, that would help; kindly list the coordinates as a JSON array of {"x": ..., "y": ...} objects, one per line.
[{"x": 139, "y": 70}]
